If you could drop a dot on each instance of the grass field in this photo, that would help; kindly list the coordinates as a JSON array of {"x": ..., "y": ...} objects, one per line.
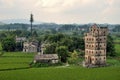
[
  {"x": 117, "y": 49},
  {"x": 15, "y": 60},
  {"x": 13, "y": 66},
  {"x": 69, "y": 73}
]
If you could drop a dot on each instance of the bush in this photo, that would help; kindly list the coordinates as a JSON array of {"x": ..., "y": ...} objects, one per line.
[
  {"x": 1, "y": 53},
  {"x": 8, "y": 44},
  {"x": 63, "y": 53}
]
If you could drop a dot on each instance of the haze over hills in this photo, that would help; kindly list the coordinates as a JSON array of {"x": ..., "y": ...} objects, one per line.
[
  {"x": 1, "y": 23},
  {"x": 24, "y": 21}
]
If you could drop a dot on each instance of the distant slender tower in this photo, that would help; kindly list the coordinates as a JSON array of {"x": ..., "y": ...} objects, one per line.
[
  {"x": 95, "y": 46},
  {"x": 31, "y": 21}
]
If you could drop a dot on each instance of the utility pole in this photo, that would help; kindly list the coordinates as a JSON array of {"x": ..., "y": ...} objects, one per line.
[{"x": 31, "y": 21}]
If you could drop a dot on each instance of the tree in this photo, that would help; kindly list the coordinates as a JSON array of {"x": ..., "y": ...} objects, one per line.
[
  {"x": 75, "y": 33},
  {"x": 117, "y": 28},
  {"x": 8, "y": 44},
  {"x": 110, "y": 46},
  {"x": 18, "y": 32},
  {"x": 19, "y": 46},
  {"x": 34, "y": 34},
  {"x": 2, "y": 36},
  {"x": 69, "y": 43},
  {"x": 78, "y": 43},
  {"x": 53, "y": 31},
  {"x": 62, "y": 52},
  {"x": 50, "y": 49},
  {"x": 73, "y": 57}
]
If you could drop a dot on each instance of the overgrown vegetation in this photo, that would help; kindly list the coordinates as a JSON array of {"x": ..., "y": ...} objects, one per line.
[
  {"x": 13, "y": 64},
  {"x": 67, "y": 43}
]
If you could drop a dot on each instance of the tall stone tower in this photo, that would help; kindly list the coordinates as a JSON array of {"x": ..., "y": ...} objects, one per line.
[{"x": 95, "y": 46}]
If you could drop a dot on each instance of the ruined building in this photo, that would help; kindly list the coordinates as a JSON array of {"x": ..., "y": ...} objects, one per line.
[
  {"x": 95, "y": 46},
  {"x": 32, "y": 46}
]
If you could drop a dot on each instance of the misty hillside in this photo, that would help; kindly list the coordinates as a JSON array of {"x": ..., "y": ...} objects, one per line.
[
  {"x": 56, "y": 27},
  {"x": 22, "y": 21}
]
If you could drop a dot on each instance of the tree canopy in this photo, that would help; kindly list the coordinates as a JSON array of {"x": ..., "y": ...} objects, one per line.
[
  {"x": 62, "y": 51},
  {"x": 8, "y": 44},
  {"x": 110, "y": 46}
]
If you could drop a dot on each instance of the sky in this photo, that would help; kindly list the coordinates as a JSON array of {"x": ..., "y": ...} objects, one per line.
[{"x": 62, "y": 11}]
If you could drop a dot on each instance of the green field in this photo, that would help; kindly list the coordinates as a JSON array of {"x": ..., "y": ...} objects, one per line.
[
  {"x": 117, "y": 48},
  {"x": 15, "y": 66},
  {"x": 61, "y": 73},
  {"x": 15, "y": 60}
]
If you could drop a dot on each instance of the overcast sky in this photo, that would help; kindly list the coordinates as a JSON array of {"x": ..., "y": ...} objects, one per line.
[{"x": 62, "y": 11}]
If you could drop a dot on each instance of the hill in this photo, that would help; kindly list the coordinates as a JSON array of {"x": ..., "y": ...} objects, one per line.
[
  {"x": 22, "y": 21},
  {"x": 1, "y": 23}
]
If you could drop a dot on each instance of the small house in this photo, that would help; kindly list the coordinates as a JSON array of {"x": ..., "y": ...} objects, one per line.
[
  {"x": 30, "y": 47},
  {"x": 20, "y": 39},
  {"x": 46, "y": 58}
]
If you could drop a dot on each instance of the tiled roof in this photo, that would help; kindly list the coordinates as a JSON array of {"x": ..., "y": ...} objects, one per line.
[{"x": 46, "y": 57}]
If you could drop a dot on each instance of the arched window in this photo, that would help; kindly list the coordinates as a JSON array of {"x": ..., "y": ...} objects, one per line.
[
  {"x": 89, "y": 45},
  {"x": 92, "y": 52},
  {"x": 92, "y": 39},
  {"x": 92, "y": 46},
  {"x": 96, "y": 52},
  {"x": 104, "y": 57},
  {"x": 96, "y": 39},
  {"x": 89, "y": 51},
  {"x": 96, "y": 46}
]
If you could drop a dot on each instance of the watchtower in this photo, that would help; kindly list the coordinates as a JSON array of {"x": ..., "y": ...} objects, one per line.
[{"x": 95, "y": 46}]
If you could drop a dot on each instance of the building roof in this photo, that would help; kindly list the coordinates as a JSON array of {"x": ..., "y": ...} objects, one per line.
[
  {"x": 31, "y": 43},
  {"x": 99, "y": 26},
  {"x": 46, "y": 57},
  {"x": 20, "y": 38}
]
